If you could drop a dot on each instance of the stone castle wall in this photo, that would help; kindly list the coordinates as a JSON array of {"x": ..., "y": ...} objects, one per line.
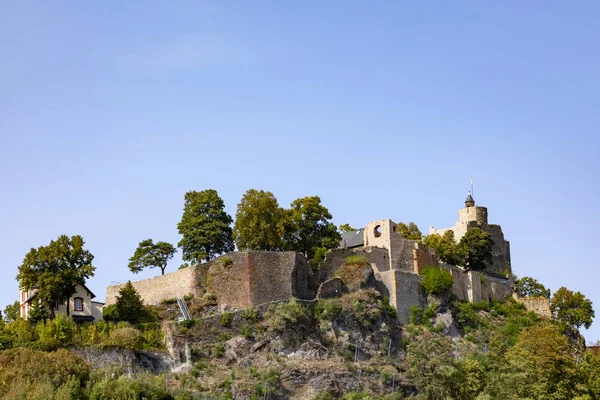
[
  {"x": 249, "y": 278},
  {"x": 539, "y": 305},
  {"x": 175, "y": 284},
  {"x": 257, "y": 277}
]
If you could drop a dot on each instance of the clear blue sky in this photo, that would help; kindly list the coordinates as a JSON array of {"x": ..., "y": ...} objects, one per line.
[{"x": 111, "y": 111}]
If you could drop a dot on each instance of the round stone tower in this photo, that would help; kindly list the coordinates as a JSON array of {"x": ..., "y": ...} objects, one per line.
[{"x": 473, "y": 213}]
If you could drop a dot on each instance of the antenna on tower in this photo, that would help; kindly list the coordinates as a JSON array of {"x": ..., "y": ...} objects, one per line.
[{"x": 472, "y": 194}]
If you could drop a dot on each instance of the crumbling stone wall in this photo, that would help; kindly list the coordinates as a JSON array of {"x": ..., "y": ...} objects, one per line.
[
  {"x": 423, "y": 257},
  {"x": 539, "y": 305},
  {"x": 495, "y": 288},
  {"x": 500, "y": 250},
  {"x": 409, "y": 292},
  {"x": 152, "y": 291},
  {"x": 257, "y": 277}
]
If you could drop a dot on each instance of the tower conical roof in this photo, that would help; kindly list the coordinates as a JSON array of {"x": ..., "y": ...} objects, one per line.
[{"x": 469, "y": 199}]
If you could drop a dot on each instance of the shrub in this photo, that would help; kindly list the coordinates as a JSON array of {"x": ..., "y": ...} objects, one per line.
[
  {"x": 226, "y": 261},
  {"x": 219, "y": 350},
  {"x": 209, "y": 298},
  {"x": 246, "y": 331},
  {"x": 285, "y": 314},
  {"x": 357, "y": 260},
  {"x": 188, "y": 323},
  {"x": 57, "y": 332},
  {"x": 387, "y": 308},
  {"x": 436, "y": 280},
  {"x": 226, "y": 318},
  {"x": 251, "y": 314},
  {"x": 110, "y": 313},
  {"x": 328, "y": 309},
  {"x": 128, "y": 337},
  {"x": 319, "y": 256}
]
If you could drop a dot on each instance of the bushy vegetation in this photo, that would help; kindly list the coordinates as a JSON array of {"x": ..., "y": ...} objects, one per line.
[
  {"x": 473, "y": 251},
  {"x": 436, "y": 280},
  {"x": 31, "y": 374},
  {"x": 358, "y": 260},
  {"x": 505, "y": 353},
  {"x": 62, "y": 332}
]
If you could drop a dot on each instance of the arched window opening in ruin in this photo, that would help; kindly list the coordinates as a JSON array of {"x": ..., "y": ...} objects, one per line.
[{"x": 377, "y": 231}]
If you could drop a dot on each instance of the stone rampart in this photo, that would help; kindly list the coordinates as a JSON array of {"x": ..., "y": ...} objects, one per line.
[
  {"x": 408, "y": 293},
  {"x": 251, "y": 278},
  {"x": 539, "y": 305},
  {"x": 175, "y": 284},
  {"x": 423, "y": 257}
]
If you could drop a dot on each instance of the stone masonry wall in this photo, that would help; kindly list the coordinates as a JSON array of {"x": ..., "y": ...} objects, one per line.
[
  {"x": 258, "y": 277},
  {"x": 162, "y": 287},
  {"x": 229, "y": 283},
  {"x": 423, "y": 257},
  {"x": 408, "y": 293},
  {"x": 402, "y": 254},
  {"x": 539, "y": 305}
]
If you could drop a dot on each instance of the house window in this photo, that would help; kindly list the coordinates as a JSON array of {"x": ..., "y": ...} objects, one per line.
[{"x": 78, "y": 304}]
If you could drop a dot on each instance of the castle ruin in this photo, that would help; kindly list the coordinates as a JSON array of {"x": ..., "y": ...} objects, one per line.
[{"x": 250, "y": 278}]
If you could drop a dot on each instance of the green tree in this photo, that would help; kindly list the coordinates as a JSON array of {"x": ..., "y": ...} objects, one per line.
[
  {"x": 430, "y": 364},
  {"x": 129, "y": 305},
  {"x": 205, "y": 227},
  {"x": 11, "y": 312},
  {"x": 346, "y": 228},
  {"x": 257, "y": 221},
  {"x": 572, "y": 307},
  {"x": 307, "y": 226},
  {"x": 410, "y": 231},
  {"x": 37, "y": 312},
  {"x": 530, "y": 287},
  {"x": 542, "y": 364},
  {"x": 152, "y": 255},
  {"x": 445, "y": 247},
  {"x": 56, "y": 270},
  {"x": 475, "y": 249}
]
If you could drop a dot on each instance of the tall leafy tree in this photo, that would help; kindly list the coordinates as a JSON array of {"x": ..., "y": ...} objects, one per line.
[
  {"x": 530, "y": 287},
  {"x": 205, "y": 226},
  {"x": 410, "y": 231},
  {"x": 257, "y": 221},
  {"x": 346, "y": 228},
  {"x": 129, "y": 305},
  {"x": 11, "y": 312},
  {"x": 445, "y": 247},
  {"x": 55, "y": 270},
  {"x": 151, "y": 255},
  {"x": 307, "y": 226},
  {"x": 572, "y": 307},
  {"x": 542, "y": 365},
  {"x": 475, "y": 249}
]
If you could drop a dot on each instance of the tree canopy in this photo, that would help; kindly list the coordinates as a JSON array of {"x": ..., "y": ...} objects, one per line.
[
  {"x": 205, "y": 226},
  {"x": 11, "y": 312},
  {"x": 530, "y": 287},
  {"x": 572, "y": 307},
  {"x": 55, "y": 270},
  {"x": 410, "y": 231},
  {"x": 128, "y": 306},
  {"x": 346, "y": 228},
  {"x": 257, "y": 221},
  {"x": 307, "y": 225},
  {"x": 151, "y": 255},
  {"x": 445, "y": 247},
  {"x": 475, "y": 249}
]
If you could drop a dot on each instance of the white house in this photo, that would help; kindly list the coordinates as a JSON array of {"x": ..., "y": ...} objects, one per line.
[{"x": 81, "y": 306}]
